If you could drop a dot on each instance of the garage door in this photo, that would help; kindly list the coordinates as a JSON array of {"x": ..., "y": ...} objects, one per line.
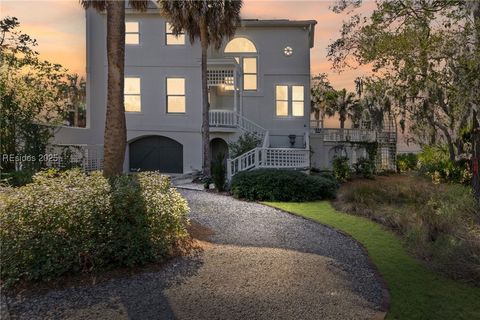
[{"x": 156, "y": 153}]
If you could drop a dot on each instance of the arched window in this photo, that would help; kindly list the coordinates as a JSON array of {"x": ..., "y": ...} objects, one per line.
[
  {"x": 244, "y": 51},
  {"x": 239, "y": 45}
]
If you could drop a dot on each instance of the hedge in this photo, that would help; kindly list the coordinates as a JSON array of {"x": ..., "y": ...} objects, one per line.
[{"x": 282, "y": 185}]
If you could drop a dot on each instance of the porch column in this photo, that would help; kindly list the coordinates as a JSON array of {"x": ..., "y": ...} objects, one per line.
[
  {"x": 241, "y": 97},
  {"x": 235, "y": 94}
]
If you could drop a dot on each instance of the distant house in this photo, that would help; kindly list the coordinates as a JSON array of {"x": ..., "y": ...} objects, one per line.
[{"x": 259, "y": 82}]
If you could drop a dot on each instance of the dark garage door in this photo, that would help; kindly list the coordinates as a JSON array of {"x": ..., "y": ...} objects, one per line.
[{"x": 156, "y": 153}]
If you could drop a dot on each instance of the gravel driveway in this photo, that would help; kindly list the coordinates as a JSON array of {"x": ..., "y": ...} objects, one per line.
[{"x": 262, "y": 264}]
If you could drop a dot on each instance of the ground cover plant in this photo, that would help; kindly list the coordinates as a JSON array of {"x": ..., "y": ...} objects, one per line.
[
  {"x": 415, "y": 291},
  {"x": 440, "y": 223},
  {"x": 282, "y": 185},
  {"x": 68, "y": 222}
]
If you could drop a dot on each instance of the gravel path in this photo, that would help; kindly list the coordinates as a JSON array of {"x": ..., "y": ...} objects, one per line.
[{"x": 263, "y": 264}]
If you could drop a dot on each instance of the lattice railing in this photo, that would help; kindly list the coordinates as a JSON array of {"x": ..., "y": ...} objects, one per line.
[
  {"x": 217, "y": 77},
  {"x": 279, "y": 158},
  {"x": 87, "y": 157}
]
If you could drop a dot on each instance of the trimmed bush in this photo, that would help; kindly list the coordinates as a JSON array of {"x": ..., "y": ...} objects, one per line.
[
  {"x": 69, "y": 222},
  {"x": 282, "y": 185}
]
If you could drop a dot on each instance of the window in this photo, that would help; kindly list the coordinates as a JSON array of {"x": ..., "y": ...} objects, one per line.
[
  {"x": 132, "y": 95},
  {"x": 249, "y": 74},
  {"x": 240, "y": 45},
  {"x": 297, "y": 101},
  {"x": 132, "y": 32},
  {"x": 175, "y": 95},
  {"x": 171, "y": 38},
  {"x": 281, "y": 96},
  {"x": 282, "y": 101},
  {"x": 248, "y": 61}
]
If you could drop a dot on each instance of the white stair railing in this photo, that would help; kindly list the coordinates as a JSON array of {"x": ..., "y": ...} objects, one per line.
[
  {"x": 262, "y": 156},
  {"x": 279, "y": 158},
  {"x": 231, "y": 119}
]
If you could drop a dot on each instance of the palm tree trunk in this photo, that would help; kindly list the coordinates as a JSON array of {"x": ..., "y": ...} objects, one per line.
[
  {"x": 115, "y": 139},
  {"x": 205, "y": 116}
]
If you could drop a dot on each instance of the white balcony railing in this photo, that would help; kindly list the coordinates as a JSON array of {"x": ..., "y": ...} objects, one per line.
[
  {"x": 352, "y": 135},
  {"x": 231, "y": 119}
]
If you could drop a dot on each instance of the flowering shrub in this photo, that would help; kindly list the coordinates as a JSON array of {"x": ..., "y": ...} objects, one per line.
[{"x": 66, "y": 222}]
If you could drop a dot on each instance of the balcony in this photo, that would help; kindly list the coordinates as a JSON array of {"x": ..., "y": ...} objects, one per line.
[
  {"x": 346, "y": 135},
  {"x": 231, "y": 121}
]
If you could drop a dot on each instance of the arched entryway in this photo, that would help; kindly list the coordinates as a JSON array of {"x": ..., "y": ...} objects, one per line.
[
  {"x": 218, "y": 146},
  {"x": 156, "y": 153}
]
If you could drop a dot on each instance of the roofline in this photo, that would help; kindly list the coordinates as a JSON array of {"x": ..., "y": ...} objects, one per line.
[
  {"x": 277, "y": 23},
  {"x": 308, "y": 24}
]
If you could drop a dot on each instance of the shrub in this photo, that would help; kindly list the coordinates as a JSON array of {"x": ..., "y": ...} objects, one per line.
[
  {"x": 341, "y": 168},
  {"x": 439, "y": 222},
  {"x": 218, "y": 172},
  {"x": 245, "y": 142},
  {"x": 435, "y": 163},
  {"x": 16, "y": 178},
  {"x": 406, "y": 162},
  {"x": 365, "y": 167},
  {"x": 67, "y": 222},
  {"x": 282, "y": 185}
]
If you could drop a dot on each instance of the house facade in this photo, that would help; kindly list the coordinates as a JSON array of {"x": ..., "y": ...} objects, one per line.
[{"x": 259, "y": 82}]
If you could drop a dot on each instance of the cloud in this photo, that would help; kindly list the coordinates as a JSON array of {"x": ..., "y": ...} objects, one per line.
[{"x": 59, "y": 27}]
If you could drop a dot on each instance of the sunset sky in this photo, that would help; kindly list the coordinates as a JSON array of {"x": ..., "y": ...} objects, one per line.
[{"x": 59, "y": 27}]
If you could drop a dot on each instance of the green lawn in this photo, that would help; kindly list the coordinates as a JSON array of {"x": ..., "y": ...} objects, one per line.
[{"x": 415, "y": 291}]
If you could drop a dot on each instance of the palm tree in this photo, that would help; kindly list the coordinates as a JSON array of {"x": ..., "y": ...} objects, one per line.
[
  {"x": 115, "y": 138},
  {"x": 211, "y": 21},
  {"x": 345, "y": 104},
  {"x": 322, "y": 96}
]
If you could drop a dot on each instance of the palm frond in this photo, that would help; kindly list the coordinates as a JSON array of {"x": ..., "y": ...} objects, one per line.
[
  {"x": 221, "y": 17},
  {"x": 139, "y": 5},
  {"x": 99, "y": 5}
]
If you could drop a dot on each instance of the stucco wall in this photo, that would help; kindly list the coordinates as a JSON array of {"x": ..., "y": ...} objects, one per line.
[{"x": 153, "y": 61}]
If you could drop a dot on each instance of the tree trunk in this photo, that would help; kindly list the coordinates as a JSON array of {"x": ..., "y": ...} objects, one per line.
[
  {"x": 205, "y": 116},
  {"x": 476, "y": 156},
  {"x": 115, "y": 139},
  {"x": 342, "y": 121}
]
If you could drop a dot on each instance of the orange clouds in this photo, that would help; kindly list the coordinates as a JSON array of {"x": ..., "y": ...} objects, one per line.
[{"x": 59, "y": 27}]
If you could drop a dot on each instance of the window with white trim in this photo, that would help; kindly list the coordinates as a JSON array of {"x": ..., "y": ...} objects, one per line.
[
  {"x": 132, "y": 94},
  {"x": 132, "y": 32},
  {"x": 286, "y": 106},
  {"x": 245, "y": 53},
  {"x": 298, "y": 101},
  {"x": 250, "y": 74},
  {"x": 171, "y": 39},
  {"x": 281, "y": 103},
  {"x": 176, "y": 95}
]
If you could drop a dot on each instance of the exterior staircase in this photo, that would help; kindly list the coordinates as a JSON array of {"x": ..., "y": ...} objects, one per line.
[{"x": 263, "y": 156}]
